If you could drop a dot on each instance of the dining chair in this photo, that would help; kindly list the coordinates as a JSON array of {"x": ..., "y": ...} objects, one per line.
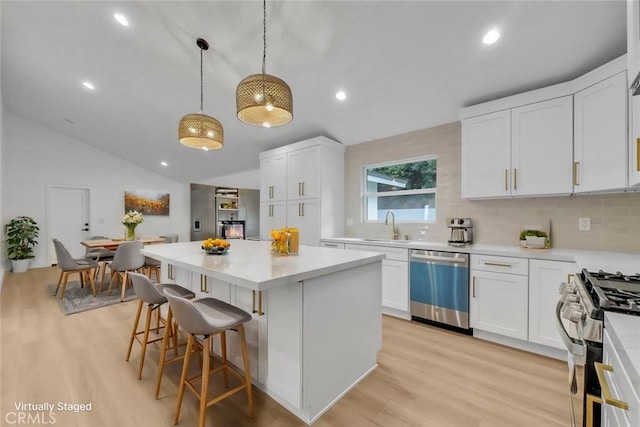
[
  {"x": 127, "y": 258},
  {"x": 100, "y": 255},
  {"x": 68, "y": 265},
  {"x": 152, "y": 265}
]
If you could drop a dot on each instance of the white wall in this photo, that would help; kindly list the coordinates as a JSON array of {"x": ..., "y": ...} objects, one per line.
[
  {"x": 248, "y": 179},
  {"x": 35, "y": 157}
]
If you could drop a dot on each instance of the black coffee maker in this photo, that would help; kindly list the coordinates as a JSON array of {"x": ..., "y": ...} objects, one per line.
[{"x": 461, "y": 231}]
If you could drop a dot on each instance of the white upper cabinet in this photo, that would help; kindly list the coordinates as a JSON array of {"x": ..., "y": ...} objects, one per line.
[
  {"x": 563, "y": 139},
  {"x": 273, "y": 178},
  {"x": 524, "y": 151},
  {"x": 542, "y": 148},
  {"x": 600, "y": 140},
  {"x": 304, "y": 173},
  {"x": 302, "y": 186},
  {"x": 486, "y": 155},
  {"x": 634, "y": 141}
]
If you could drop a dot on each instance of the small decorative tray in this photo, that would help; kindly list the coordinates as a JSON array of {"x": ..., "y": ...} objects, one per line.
[{"x": 216, "y": 250}]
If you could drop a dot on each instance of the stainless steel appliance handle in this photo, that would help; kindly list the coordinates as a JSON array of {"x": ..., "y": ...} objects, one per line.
[
  {"x": 439, "y": 258},
  {"x": 575, "y": 347}
]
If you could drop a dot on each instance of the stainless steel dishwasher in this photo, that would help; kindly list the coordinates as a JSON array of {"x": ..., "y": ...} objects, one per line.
[{"x": 439, "y": 288}]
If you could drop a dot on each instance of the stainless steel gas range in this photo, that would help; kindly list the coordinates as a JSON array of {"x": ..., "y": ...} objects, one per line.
[{"x": 580, "y": 320}]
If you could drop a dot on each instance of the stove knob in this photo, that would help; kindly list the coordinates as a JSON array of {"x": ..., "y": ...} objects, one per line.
[
  {"x": 568, "y": 309},
  {"x": 573, "y": 298},
  {"x": 575, "y": 315},
  {"x": 563, "y": 285}
]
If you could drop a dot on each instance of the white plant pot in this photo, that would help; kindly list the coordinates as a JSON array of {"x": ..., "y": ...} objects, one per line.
[{"x": 19, "y": 265}]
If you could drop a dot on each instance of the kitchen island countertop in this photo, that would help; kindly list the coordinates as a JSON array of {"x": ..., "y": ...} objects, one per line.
[{"x": 250, "y": 263}]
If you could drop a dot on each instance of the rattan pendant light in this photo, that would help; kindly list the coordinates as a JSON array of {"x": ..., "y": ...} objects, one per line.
[
  {"x": 199, "y": 130},
  {"x": 262, "y": 99}
]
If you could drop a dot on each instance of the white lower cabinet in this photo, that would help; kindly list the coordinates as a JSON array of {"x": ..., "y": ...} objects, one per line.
[
  {"x": 544, "y": 281},
  {"x": 499, "y": 300},
  {"x": 395, "y": 278},
  {"x": 621, "y": 384}
]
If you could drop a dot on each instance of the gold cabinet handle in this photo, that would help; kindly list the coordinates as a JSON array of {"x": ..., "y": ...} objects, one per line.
[
  {"x": 473, "y": 286},
  {"x": 253, "y": 303},
  {"x": 302, "y": 209},
  {"x": 203, "y": 284},
  {"x": 299, "y": 189},
  {"x": 569, "y": 276},
  {"x": 302, "y": 189},
  {"x": 575, "y": 173},
  {"x": 170, "y": 272},
  {"x": 515, "y": 178},
  {"x": 638, "y": 155},
  {"x": 606, "y": 393},
  {"x": 498, "y": 264},
  {"x": 506, "y": 180}
]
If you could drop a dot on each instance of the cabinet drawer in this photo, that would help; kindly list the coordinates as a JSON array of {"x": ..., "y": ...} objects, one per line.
[
  {"x": 332, "y": 245},
  {"x": 619, "y": 382},
  {"x": 398, "y": 254},
  {"x": 500, "y": 264}
]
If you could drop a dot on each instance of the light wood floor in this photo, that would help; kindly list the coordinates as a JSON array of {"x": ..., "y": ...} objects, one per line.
[{"x": 426, "y": 376}]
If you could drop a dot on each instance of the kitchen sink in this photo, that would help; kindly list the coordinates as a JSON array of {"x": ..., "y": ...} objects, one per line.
[{"x": 386, "y": 241}]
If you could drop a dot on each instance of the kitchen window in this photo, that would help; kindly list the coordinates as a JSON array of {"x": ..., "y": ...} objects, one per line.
[{"x": 408, "y": 188}]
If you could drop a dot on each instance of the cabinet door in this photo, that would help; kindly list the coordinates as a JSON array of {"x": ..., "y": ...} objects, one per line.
[
  {"x": 273, "y": 178},
  {"x": 486, "y": 151},
  {"x": 395, "y": 284},
  {"x": 499, "y": 303},
  {"x": 544, "y": 281},
  {"x": 600, "y": 125},
  {"x": 304, "y": 173},
  {"x": 243, "y": 298},
  {"x": 305, "y": 216},
  {"x": 634, "y": 147},
  {"x": 272, "y": 215},
  {"x": 542, "y": 148}
]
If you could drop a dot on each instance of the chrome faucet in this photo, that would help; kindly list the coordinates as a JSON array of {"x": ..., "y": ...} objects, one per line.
[{"x": 394, "y": 230}]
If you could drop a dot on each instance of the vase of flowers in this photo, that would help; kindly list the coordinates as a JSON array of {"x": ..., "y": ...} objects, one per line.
[
  {"x": 131, "y": 220},
  {"x": 280, "y": 242}
]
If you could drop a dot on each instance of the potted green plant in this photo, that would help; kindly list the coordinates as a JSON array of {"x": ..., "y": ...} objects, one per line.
[{"x": 22, "y": 234}]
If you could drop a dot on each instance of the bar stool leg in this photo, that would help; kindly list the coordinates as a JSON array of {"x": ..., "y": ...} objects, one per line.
[
  {"x": 163, "y": 352},
  {"x": 247, "y": 372},
  {"x": 206, "y": 344},
  {"x": 125, "y": 281},
  {"x": 145, "y": 338},
  {"x": 183, "y": 377},
  {"x": 135, "y": 329},
  {"x": 223, "y": 353}
]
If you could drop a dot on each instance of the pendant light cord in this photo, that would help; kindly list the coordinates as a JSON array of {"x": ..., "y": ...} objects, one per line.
[
  {"x": 201, "y": 86},
  {"x": 264, "y": 35}
]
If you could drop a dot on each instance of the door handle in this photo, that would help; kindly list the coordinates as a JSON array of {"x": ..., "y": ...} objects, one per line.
[
  {"x": 473, "y": 286},
  {"x": 515, "y": 178},
  {"x": 84, "y": 229},
  {"x": 302, "y": 189},
  {"x": 575, "y": 173},
  {"x": 299, "y": 189},
  {"x": 606, "y": 392},
  {"x": 506, "y": 180}
]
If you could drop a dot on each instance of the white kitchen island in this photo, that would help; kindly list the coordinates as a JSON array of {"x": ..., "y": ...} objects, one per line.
[{"x": 316, "y": 327}]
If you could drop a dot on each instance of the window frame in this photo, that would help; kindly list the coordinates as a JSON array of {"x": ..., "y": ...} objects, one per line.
[{"x": 364, "y": 195}]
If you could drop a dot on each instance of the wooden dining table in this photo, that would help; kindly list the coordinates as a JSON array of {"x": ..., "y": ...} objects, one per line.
[{"x": 113, "y": 243}]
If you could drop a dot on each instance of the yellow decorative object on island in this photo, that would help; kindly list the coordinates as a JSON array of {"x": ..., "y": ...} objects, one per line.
[
  {"x": 280, "y": 242},
  {"x": 294, "y": 239}
]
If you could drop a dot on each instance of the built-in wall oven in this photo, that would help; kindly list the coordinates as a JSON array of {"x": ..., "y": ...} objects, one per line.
[
  {"x": 233, "y": 229},
  {"x": 580, "y": 320},
  {"x": 439, "y": 288}
]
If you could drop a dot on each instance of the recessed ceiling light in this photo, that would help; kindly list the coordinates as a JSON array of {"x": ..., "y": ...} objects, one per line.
[
  {"x": 88, "y": 85},
  {"x": 341, "y": 95},
  {"x": 491, "y": 37},
  {"x": 164, "y": 163},
  {"x": 122, "y": 20}
]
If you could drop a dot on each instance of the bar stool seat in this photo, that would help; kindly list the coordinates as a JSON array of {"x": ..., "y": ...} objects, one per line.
[
  {"x": 153, "y": 296},
  {"x": 208, "y": 317}
]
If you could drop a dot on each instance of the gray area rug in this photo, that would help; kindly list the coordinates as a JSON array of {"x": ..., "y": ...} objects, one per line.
[{"x": 77, "y": 299}]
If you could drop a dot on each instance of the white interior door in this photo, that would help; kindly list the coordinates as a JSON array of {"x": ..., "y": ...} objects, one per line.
[{"x": 68, "y": 219}]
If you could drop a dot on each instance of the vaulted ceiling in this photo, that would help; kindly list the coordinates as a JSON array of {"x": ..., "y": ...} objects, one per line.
[{"x": 404, "y": 66}]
